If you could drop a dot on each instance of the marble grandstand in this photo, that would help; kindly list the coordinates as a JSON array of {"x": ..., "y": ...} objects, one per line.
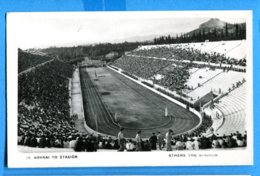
[{"x": 220, "y": 72}]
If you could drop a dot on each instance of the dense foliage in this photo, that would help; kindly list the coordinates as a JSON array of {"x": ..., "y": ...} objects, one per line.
[
  {"x": 97, "y": 51},
  {"x": 228, "y": 32},
  {"x": 27, "y": 60}
]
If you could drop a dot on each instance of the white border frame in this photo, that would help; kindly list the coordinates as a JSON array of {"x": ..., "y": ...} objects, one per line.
[{"x": 210, "y": 157}]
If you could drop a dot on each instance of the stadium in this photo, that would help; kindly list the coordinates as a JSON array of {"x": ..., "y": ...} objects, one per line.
[{"x": 181, "y": 95}]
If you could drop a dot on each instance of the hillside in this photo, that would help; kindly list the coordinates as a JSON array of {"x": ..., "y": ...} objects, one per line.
[
  {"x": 211, "y": 30},
  {"x": 217, "y": 28},
  {"x": 27, "y": 60}
]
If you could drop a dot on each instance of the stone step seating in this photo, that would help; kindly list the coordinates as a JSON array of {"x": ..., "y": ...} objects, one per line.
[
  {"x": 202, "y": 75},
  {"x": 238, "y": 52},
  {"x": 230, "y": 77},
  {"x": 233, "y": 108},
  {"x": 219, "y": 47},
  {"x": 204, "y": 47},
  {"x": 234, "y": 49},
  {"x": 193, "y": 70},
  {"x": 224, "y": 47}
]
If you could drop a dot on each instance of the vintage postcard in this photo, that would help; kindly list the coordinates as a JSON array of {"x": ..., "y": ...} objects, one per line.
[{"x": 87, "y": 89}]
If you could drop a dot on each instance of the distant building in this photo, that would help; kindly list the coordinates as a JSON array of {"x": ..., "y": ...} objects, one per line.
[
  {"x": 112, "y": 55},
  {"x": 92, "y": 63}
]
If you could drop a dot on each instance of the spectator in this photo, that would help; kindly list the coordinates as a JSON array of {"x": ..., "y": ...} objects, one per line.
[
  {"x": 189, "y": 144},
  {"x": 240, "y": 142},
  {"x": 79, "y": 145},
  {"x": 215, "y": 143},
  {"x": 130, "y": 146},
  {"x": 42, "y": 142},
  {"x": 33, "y": 142},
  {"x": 179, "y": 145},
  {"x": 146, "y": 146},
  {"x": 153, "y": 141},
  {"x": 72, "y": 142},
  {"x": 138, "y": 141},
  {"x": 65, "y": 142},
  {"x": 160, "y": 140},
  {"x": 221, "y": 142},
  {"x": 168, "y": 138},
  {"x": 196, "y": 143},
  {"x": 121, "y": 140}
]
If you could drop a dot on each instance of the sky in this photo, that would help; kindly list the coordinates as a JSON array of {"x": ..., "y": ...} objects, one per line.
[{"x": 40, "y": 30}]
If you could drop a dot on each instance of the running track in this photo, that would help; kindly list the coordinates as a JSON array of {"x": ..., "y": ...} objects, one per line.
[{"x": 99, "y": 118}]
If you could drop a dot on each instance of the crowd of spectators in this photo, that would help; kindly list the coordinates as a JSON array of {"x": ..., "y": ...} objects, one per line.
[
  {"x": 90, "y": 143},
  {"x": 186, "y": 53},
  {"x": 172, "y": 76},
  {"x": 43, "y": 101},
  {"x": 83, "y": 142},
  {"x": 175, "y": 79},
  {"x": 44, "y": 119},
  {"x": 172, "y": 73},
  {"x": 141, "y": 66},
  {"x": 27, "y": 60},
  {"x": 170, "y": 67}
]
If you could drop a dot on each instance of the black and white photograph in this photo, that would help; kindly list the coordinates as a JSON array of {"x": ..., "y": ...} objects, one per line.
[{"x": 129, "y": 88}]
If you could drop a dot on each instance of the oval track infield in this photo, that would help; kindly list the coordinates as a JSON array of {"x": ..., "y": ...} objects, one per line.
[{"x": 106, "y": 93}]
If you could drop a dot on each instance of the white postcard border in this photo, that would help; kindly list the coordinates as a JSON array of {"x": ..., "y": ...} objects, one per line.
[{"x": 83, "y": 159}]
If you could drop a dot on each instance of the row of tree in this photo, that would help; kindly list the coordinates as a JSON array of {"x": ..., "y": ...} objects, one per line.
[
  {"x": 229, "y": 32},
  {"x": 97, "y": 51}
]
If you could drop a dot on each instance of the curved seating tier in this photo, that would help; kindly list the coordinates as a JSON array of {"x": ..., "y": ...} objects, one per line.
[{"x": 233, "y": 107}]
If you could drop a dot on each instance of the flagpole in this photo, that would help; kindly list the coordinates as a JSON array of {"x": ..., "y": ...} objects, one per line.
[
  {"x": 116, "y": 118},
  {"x": 96, "y": 123},
  {"x": 166, "y": 112}
]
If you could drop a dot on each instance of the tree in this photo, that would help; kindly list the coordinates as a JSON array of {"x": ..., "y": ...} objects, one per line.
[
  {"x": 226, "y": 31},
  {"x": 237, "y": 31},
  {"x": 215, "y": 34}
]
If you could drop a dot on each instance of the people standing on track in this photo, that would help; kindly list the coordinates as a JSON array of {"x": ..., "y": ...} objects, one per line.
[
  {"x": 160, "y": 140},
  {"x": 121, "y": 140},
  {"x": 138, "y": 141},
  {"x": 168, "y": 137},
  {"x": 153, "y": 141}
]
